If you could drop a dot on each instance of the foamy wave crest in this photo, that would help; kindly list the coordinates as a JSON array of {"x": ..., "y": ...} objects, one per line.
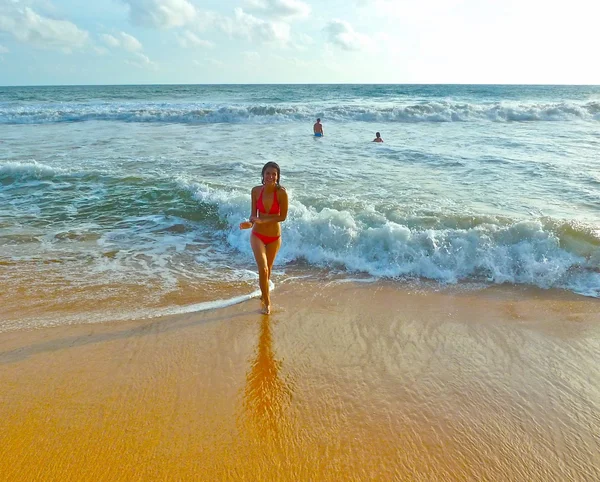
[
  {"x": 162, "y": 113},
  {"x": 426, "y": 111},
  {"x": 537, "y": 252},
  {"x": 14, "y": 170},
  {"x": 449, "y": 111}
]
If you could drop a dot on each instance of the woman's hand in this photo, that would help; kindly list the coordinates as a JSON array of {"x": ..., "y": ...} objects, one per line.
[{"x": 255, "y": 219}]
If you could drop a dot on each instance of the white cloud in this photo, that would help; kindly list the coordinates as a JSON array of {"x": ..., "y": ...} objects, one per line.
[
  {"x": 142, "y": 61},
  {"x": 130, "y": 43},
  {"x": 189, "y": 39},
  {"x": 143, "y": 58},
  {"x": 406, "y": 8},
  {"x": 342, "y": 34},
  {"x": 123, "y": 40},
  {"x": 110, "y": 40},
  {"x": 256, "y": 29},
  {"x": 42, "y": 32},
  {"x": 371, "y": 3},
  {"x": 284, "y": 9},
  {"x": 3, "y": 49},
  {"x": 161, "y": 13}
]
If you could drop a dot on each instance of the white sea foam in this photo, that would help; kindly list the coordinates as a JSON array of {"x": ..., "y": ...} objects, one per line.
[
  {"x": 126, "y": 315},
  {"x": 521, "y": 252},
  {"x": 210, "y": 305},
  {"x": 401, "y": 111},
  {"x": 29, "y": 169}
]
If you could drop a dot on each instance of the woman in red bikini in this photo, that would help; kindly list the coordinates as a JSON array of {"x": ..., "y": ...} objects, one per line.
[{"x": 269, "y": 208}]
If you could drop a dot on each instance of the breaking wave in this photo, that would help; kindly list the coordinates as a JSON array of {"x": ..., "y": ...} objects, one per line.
[{"x": 425, "y": 111}]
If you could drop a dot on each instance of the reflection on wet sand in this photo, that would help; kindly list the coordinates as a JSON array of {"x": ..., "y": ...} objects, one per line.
[{"x": 267, "y": 394}]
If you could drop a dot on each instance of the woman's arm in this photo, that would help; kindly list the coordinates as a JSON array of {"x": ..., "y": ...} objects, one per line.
[{"x": 253, "y": 207}]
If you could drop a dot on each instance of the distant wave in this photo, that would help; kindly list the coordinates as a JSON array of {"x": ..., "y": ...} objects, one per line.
[
  {"x": 13, "y": 171},
  {"x": 425, "y": 111}
]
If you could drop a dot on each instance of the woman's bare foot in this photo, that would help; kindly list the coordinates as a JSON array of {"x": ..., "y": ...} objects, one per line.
[{"x": 265, "y": 308}]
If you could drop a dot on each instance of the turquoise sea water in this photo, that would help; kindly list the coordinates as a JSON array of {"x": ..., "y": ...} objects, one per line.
[{"x": 125, "y": 200}]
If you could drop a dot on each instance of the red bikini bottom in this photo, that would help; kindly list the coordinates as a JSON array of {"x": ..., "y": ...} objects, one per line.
[{"x": 265, "y": 239}]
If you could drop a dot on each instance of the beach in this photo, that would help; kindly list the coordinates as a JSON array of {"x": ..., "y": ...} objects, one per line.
[{"x": 344, "y": 381}]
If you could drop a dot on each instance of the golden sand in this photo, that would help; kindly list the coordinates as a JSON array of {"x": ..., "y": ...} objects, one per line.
[{"x": 341, "y": 382}]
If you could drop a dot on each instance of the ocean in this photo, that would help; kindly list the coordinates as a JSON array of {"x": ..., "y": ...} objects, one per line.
[{"x": 122, "y": 202}]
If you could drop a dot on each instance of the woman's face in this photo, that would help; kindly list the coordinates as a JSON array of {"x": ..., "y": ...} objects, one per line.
[{"x": 270, "y": 176}]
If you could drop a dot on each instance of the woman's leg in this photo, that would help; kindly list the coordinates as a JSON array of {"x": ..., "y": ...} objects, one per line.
[
  {"x": 260, "y": 255},
  {"x": 272, "y": 249}
]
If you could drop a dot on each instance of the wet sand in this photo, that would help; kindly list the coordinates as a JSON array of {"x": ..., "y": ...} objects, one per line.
[{"x": 341, "y": 382}]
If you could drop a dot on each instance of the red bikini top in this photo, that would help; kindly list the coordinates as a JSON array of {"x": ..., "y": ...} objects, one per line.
[{"x": 261, "y": 207}]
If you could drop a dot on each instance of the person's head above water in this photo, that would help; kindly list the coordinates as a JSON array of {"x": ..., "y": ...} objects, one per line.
[
  {"x": 318, "y": 119},
  {"x": 377, "y": 134},
  {"x": 269, "y": 169}
]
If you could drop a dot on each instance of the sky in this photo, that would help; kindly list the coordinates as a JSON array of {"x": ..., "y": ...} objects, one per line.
[{"x": 78, "y": 42}]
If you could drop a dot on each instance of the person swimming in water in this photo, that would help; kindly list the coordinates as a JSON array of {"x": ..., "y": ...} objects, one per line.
[
  {"x": 377, "y": 137},
  {"x": 318, "y": 128},
  {"x": 269, "y": 210}
]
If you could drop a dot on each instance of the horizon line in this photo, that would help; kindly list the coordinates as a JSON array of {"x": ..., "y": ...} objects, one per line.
[{"x": 307, "y": 84}]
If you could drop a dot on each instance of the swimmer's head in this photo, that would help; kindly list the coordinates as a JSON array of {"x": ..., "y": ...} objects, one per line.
[
  {"x": 318, "y": 119},
  {"x": 270, "y": 166},
  {"x": 377, "y": 134}
]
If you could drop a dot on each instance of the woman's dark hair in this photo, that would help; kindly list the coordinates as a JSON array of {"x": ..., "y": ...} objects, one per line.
[{"x": 266, "y": 166}]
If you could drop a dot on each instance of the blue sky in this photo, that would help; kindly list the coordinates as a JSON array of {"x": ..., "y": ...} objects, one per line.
[{"x": 48, "y": 42}]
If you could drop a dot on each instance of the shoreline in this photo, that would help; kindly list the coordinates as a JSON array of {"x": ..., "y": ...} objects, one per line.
[
  {"x": 228, "y": 294},
  {"x": 348, "y": 381}
]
